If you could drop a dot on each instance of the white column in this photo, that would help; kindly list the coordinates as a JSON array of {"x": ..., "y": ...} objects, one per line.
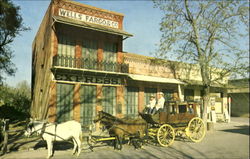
[
  {"x": 180, "y": 93},
  {"x": 229, "y": 109}
]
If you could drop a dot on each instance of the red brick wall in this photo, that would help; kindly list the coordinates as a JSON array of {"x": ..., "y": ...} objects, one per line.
[
  {"x": 76, "y": 101},
  {"x": 120, "y": 101}
]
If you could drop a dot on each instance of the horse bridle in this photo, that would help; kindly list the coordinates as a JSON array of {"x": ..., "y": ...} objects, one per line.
[
  {"x": 104, "y": 115},
  {"x": 31, "y": 125}
]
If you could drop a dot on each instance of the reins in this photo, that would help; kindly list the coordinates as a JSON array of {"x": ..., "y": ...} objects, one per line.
[{"x": 42, "y": 129}]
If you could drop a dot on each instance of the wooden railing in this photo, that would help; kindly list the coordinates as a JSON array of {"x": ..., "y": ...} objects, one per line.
[{"x": 87, "y": 63}]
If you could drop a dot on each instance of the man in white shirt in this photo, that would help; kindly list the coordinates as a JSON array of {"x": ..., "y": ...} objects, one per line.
[{"x": 160, "y": 102}]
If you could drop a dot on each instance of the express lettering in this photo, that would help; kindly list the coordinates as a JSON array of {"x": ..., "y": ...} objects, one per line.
[{"x": 88, "y": 79}]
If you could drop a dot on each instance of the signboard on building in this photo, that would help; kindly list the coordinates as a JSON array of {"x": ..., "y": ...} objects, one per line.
[
  {"x": 88, "y": 79},
  {"x": 87, "y": 18}
]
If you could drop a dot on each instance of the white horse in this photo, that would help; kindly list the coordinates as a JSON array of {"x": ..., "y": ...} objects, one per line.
[{"x": 57, "y": 132}]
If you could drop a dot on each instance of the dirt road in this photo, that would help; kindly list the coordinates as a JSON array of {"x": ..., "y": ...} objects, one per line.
[{"x": 228, "y": 140}]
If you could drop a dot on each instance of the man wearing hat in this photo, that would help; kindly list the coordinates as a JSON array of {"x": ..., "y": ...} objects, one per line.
[{"x": 160, "y": 102}]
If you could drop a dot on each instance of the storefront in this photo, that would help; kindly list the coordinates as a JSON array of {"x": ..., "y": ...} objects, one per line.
[{"x": 79, "y": 67}]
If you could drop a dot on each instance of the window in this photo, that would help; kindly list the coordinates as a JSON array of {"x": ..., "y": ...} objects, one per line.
[
  {"x": 147, "y": 93},
  {"x": 66, "y": 51},
  {"x": 66, "y": 46},
  {"x": 89, "y": 54},
  {"x": 132, "y": 101},
  {"x": 110, "y": 52},
  {"x": 110, "y": 56},
  {"x": 64, "y": 105},
  {"x": 109, "y": 99},
  {"x": 189, "y": 95},
  {"x": 88, "y": 103},
  {"x": 182, "y": 108}
]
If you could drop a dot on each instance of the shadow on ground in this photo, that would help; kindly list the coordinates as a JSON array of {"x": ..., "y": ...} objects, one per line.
[{"x": 239, "y": 129}]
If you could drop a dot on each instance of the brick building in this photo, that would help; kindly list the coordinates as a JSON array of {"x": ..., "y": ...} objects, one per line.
[{"x": 79, "y": 67}]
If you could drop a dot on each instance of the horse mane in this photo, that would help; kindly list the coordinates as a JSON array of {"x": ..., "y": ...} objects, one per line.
[{"x": 111, "y": 117}]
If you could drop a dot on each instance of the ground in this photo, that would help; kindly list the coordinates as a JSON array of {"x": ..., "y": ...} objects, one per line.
[{"x": 227, "y": 140}]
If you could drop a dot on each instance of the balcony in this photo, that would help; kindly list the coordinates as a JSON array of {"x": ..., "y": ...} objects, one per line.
[{"x": 90, "y": 64}]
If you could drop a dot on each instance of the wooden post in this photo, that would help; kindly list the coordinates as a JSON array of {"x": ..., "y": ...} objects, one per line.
[{"x": 5, "y": 134}]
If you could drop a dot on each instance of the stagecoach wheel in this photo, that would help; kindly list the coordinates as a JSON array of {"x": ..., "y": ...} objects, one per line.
[
  {"x": 165, "y": 135},
  {"x": 196, "y": 129}
]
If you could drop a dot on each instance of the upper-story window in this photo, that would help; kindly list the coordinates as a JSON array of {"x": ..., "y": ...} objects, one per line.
[
  {"x": 110, "y": 52},
  {"x": 66, "y": 46},
  {"x": 89, "y": 49},
  {"x": 66, "y": 51},
  {"x": 110, "y": 57},
  {"x": 89, "y": 54}
]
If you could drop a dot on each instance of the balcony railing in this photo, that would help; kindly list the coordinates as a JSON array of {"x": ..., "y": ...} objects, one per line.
[{"x": 87, "y": 63}]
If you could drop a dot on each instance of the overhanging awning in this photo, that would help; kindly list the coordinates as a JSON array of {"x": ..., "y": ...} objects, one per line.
[
  {"x": 90, "y": 26},
  {"x": 155, "y": 79}
]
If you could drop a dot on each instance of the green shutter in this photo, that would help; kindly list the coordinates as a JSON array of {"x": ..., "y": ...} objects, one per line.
[
  {"x": 89, "y": 53},
  {"x": 66, "y": 51},
  {"x": 110, "y": 52},
  {"x": 132, "y": 102},
  {"x": 110, "y": 57},
  {"x": 88, "y": 103},
  {"x": 89, "y": 49},
  {"x": 109, "y": 99},
  {"x": 64, "y": 101}
]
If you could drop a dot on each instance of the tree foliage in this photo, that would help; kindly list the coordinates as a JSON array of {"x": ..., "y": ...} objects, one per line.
[
  {"x": 17, "y": 99},
  {"x": 208, "y": 34},
  {"x": 11, "y": 24}
]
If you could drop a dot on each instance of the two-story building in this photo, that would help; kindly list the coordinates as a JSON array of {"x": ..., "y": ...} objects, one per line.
[{"x": 79, "y": 67}]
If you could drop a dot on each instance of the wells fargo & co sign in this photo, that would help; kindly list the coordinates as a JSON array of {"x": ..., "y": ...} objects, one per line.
[{"x": 87, "y": 18}]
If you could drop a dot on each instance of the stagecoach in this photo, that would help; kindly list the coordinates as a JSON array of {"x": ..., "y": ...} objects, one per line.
[{"x": 175, "y": 119}]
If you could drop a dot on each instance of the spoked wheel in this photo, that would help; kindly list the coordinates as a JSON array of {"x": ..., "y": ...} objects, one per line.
[
  {"x": 196, "y": 129},
  {"x": 165, "y": 135}
]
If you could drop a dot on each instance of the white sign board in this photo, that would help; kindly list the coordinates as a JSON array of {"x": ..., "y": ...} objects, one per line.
[{"x": 87, "y": 18}]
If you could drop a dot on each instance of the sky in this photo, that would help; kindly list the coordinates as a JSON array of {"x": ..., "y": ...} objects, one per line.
[{"x": 140, "y": 19}]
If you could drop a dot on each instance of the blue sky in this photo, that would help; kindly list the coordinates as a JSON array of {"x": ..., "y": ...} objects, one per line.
[{"x": 141, "y": 19}]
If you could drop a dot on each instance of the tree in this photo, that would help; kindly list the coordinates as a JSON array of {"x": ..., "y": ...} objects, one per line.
[
  {"x": 11, "y": 24},
  {"x": 206, "y": 34},
  {"x": 15, "y": 101}
]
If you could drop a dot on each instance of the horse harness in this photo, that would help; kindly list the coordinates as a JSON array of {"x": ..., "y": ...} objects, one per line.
[
  {"x": 31, "y": 125},
  {"x": 42, "y": 129}
]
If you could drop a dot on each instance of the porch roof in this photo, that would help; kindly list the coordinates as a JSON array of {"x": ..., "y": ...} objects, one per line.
[{"x": 154, "y": 79}]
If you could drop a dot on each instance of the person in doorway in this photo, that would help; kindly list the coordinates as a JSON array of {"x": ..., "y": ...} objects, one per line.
[
  {"x": 160, "y": 103},
  {"x": 151, "y": 105}
]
